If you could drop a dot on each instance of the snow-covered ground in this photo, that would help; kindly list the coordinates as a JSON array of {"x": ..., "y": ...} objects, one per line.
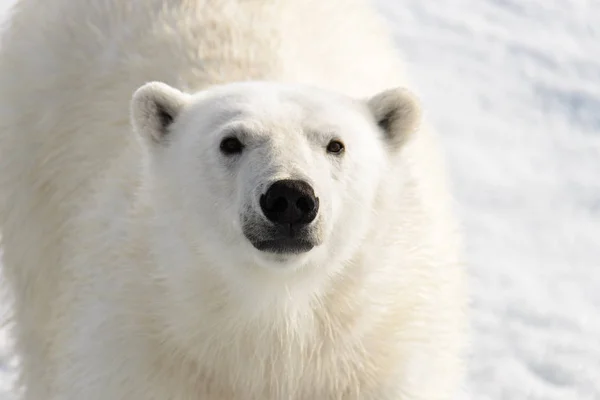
[{"x": 513, "y": 87}]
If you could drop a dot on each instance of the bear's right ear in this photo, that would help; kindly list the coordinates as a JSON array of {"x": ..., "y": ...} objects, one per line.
[{"x": 154, "y": 107}]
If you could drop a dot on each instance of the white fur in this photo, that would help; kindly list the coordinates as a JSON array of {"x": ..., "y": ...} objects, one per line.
[{"x": 123, "y": 238}]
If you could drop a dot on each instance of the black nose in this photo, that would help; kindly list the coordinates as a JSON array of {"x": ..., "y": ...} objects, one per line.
[{"x": 290, "y": 202}]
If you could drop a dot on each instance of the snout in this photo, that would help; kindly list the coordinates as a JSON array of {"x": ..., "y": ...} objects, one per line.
[{"x": 289, "y": 207}]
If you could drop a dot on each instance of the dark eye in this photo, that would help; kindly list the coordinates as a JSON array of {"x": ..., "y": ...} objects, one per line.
[
  {"x": 335, "y": 147},
  {"x": 230, "y": 146}
]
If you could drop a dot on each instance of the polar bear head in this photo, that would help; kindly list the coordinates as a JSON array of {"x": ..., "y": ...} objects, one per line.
[{"x": 265, "y": 175}]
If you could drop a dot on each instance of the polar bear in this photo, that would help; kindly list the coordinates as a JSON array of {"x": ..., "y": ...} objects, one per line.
[{"x": 222, "y": 200}]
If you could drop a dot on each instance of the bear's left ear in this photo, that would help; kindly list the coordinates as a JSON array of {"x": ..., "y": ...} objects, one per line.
[
  {"x": 154, "y": 107},
  {"x": 398, "y": 113}
]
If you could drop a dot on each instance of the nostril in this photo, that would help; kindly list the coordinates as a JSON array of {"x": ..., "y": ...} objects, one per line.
[
  {"x": 305, "y": 204},
  {"x": 273, "y": 204}
]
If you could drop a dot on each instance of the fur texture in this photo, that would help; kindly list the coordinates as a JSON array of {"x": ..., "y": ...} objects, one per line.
[{"x": 125, "y": 229}]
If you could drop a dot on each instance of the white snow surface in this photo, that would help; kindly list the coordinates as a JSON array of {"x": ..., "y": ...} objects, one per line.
[{"x": 513, "y": 88}]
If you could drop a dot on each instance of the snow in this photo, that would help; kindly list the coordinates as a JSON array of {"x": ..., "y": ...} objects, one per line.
[
  {"x": 513, "y": 87},
  {"x": 514, "y": 90}
]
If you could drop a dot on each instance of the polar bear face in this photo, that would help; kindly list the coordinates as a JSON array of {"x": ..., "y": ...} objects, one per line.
[{"x": 268, "y": 175}]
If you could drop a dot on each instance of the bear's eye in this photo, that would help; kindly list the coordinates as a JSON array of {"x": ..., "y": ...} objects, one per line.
[
  {"x": 335, "y": 147},
  {"x": 231, "y": 145}
]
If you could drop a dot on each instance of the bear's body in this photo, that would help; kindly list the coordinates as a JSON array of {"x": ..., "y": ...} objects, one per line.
[{"x": 141, "y": 263}]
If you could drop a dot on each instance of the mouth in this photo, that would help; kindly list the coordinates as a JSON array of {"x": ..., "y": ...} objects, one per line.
[
  {"x": 279, "y": 239},
  {"x": 283, "y": 246}
]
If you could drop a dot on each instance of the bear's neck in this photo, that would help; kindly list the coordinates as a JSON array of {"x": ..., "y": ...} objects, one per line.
[{"x": 269, "y": 351}]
